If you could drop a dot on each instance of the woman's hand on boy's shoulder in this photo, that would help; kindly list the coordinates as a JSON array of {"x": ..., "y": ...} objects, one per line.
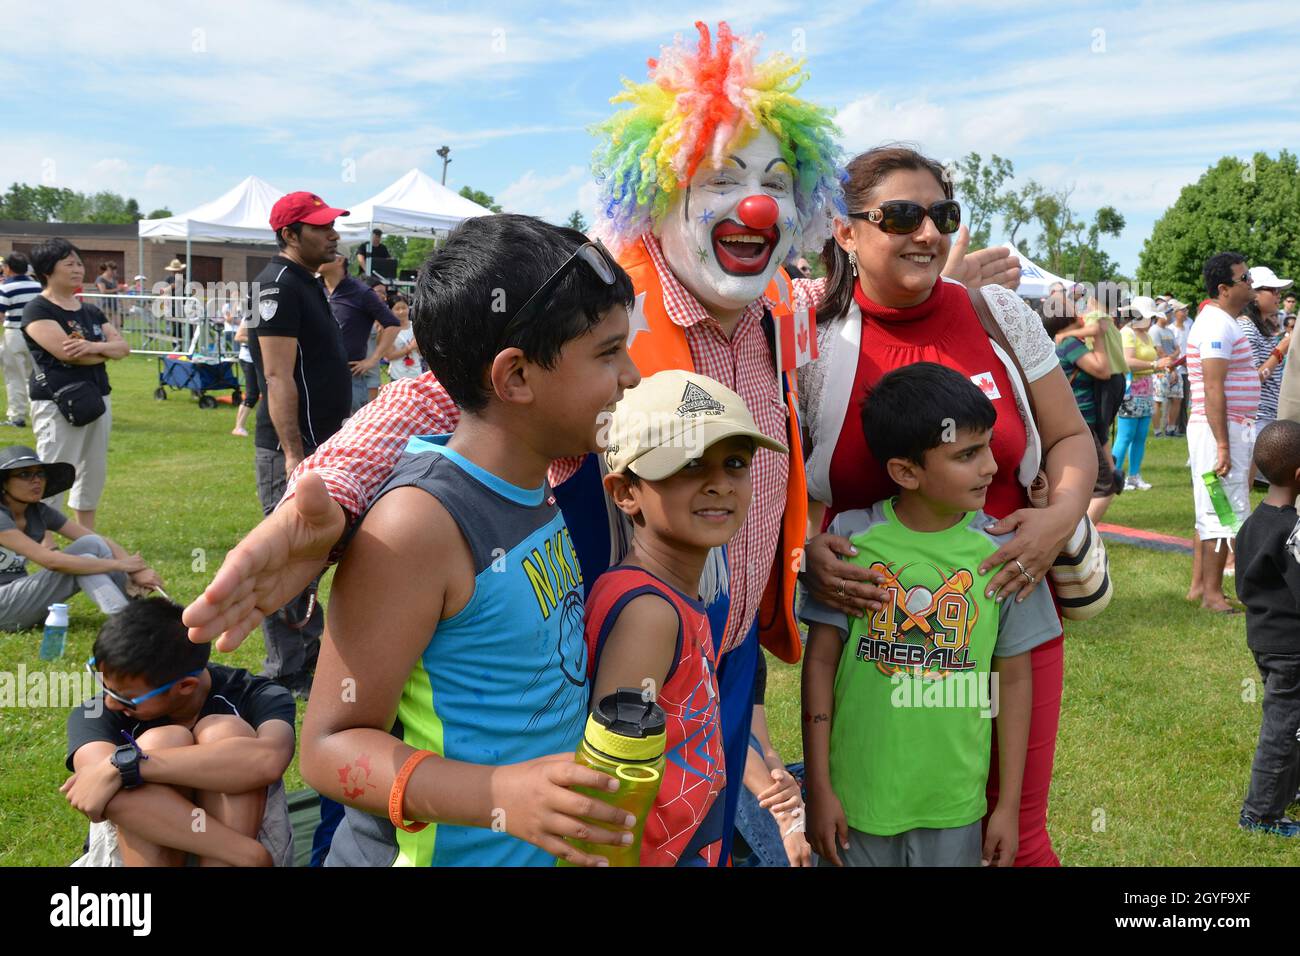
[
  {"x": 837, "y": 583},
  {"x": 538, "y": 804}
]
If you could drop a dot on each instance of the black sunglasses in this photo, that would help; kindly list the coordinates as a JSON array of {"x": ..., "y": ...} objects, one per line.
[
  {"x": 901, "y": 217},
  {"x": 597, "y": 258}
]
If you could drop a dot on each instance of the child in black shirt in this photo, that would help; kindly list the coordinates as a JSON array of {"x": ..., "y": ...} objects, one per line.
[
  {"x": 173, "y": 740},
  {"x": 1268, "y": 583}
]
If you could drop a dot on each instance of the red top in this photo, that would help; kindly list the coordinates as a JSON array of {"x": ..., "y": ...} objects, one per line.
[
  {"x": 944, "y": 329},
  {"x": 685, "y": 824}
]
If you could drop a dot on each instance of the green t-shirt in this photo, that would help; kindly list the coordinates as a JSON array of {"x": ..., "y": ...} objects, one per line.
[
  {"x": 1111, "y": 342},
  {"x": 910, "y": 733}
]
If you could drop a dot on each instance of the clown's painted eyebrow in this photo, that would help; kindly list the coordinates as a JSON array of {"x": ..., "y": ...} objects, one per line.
[
  {"x": 775, "y": 161},
  {"x": 738, "y": 161}
]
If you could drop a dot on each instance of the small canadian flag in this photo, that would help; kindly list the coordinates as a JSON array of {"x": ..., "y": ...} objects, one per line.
[{"x": 797, "y": 338}]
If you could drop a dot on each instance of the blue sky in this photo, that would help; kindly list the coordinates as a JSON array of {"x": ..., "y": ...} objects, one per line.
[{"x": 1124, "y": 103}]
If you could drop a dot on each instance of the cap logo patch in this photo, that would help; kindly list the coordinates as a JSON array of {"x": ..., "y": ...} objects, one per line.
[{"x": 696, "y": 401}]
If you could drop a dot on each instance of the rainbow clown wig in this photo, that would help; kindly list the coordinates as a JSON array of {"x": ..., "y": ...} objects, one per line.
[{"x": 699, "y": 105}]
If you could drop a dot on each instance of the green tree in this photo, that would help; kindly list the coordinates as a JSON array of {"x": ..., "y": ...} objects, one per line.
[
  {"x": 980, "y": 189},
  {"x": 55, "y": 204},
  {"x": 480, "y": 197},
  {"x": 1248, "y": 207},
  {"x": 1091, "y": 264},
  {"x": 1018, "y": 211},
  {"x": 576, "y": 221},
  {"x": 106, "y": 207},
  {"x": 163, "y": 213},
  {"x": 417, "y": 250}
]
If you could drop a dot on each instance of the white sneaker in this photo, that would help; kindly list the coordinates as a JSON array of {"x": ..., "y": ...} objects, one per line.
[
  {"x": 1130, "y": 484},
  {"x": 1139, "y": 484}
]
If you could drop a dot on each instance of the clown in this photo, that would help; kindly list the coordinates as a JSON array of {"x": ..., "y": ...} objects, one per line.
[{"x": 711, "y": 173}]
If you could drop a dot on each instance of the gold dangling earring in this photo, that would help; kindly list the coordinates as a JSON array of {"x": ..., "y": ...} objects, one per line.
[{"x": 853, "y": 261}]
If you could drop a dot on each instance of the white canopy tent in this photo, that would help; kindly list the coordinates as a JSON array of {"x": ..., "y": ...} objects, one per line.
[
  {"x": 241, "y": 215},
  {"x": 415, "y": 205},
  {"x": 1034, "y": 279}
]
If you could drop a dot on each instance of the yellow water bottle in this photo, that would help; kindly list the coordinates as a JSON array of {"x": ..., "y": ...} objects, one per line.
[{"x": 624, "y": 738}]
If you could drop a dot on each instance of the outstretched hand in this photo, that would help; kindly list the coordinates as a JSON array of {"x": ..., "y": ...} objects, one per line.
[
  {"x": 271, "y": 565},
  {"x": 992, "y": 266}
]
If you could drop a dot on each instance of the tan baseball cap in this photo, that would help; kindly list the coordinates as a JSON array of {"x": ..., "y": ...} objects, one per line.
[{"x": 670, "y": 419}]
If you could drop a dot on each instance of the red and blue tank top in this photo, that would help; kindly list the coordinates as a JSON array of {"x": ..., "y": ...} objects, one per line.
[{"x": 685, "y": 824}]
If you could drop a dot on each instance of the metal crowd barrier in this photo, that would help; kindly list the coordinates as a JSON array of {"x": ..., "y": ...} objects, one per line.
[{"x": 168, "y": 324}]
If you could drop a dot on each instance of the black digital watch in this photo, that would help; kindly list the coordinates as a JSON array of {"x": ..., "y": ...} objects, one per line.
[{"x": 126, "y": 759}]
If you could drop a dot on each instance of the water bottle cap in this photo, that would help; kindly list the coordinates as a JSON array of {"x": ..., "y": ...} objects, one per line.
[{"x": 626, "y": 726}]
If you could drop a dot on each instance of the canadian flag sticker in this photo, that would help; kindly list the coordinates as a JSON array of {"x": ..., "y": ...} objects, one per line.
[
  {"x": 987, "y": 385},
  {"x": 797, "y": 339}
]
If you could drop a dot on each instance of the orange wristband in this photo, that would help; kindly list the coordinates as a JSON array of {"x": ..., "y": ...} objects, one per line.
[{"x": 398, "y": 793}]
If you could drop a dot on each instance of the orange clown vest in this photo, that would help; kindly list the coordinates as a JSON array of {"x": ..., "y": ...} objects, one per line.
[{"x": 664, "y": 346}]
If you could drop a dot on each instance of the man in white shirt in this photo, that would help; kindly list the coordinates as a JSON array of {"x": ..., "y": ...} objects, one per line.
[{"x": 1221, "y": 420}]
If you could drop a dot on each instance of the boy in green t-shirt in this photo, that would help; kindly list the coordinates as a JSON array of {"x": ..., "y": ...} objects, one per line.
[{"x": 896, "y": 704}]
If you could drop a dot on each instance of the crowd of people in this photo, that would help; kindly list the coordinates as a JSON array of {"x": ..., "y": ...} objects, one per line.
[
  {"x": 1217, "y": 380},
  {"x": 627, "y": 480}
]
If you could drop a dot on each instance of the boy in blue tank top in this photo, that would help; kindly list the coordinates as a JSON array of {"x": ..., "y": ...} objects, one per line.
[{"x": 452, "y": 677}]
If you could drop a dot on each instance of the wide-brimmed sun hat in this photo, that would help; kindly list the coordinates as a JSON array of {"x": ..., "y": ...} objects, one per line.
[{"x": 59, "y": 475}]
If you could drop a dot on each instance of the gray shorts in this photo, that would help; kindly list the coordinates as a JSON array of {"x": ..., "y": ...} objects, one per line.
[
  {"x": 958, "y": 846},
  {"x": 275, "y": 833}
]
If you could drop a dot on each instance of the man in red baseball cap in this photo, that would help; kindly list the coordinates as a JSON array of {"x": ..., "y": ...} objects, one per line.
[{"x": 298, "y": 355}]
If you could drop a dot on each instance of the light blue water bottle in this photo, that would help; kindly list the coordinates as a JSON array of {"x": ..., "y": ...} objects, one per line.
[{"x": 56, "y": 633}]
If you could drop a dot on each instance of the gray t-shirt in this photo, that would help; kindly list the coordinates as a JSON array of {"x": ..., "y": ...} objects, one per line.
[
  {"x": 1022, "y": 625},
  {"x": 40, "y": 518},
  {"x": 1164, "y": 339}
]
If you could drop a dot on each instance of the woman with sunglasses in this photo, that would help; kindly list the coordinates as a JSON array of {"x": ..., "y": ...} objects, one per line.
[
  {"x": 92, "y": 563},
  {"x": 885, "y": 305}
]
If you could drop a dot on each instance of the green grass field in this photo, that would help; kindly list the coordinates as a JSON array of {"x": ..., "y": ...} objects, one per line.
[{"x": 1158, "y": 723}]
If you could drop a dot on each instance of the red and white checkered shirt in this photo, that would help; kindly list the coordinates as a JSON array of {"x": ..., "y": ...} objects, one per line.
[
  {"x": 744, "y": 364},
  {"x": 358, "y": 458}
]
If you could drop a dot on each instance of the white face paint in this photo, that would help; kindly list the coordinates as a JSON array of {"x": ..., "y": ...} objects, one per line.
[{"x": 725, "y": 236}]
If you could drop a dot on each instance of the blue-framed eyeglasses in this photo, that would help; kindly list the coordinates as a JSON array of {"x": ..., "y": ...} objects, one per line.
[{"x": 136, "y": 701}]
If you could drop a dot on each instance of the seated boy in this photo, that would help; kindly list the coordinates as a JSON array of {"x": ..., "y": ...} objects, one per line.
[
  {"x": 452, "y": 681},
  {"x": 679, "y": 455},
  {"x": 178, "y": 757},
  {"x": 1268, "y": 583},
  {"x": 896, "y": 704}
]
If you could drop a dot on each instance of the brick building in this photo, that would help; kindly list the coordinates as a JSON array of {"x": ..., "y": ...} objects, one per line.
[{"x": 213, "y": 261}]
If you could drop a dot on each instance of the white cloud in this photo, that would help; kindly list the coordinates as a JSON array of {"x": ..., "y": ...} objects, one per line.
[{"x": 545, "y": 196}]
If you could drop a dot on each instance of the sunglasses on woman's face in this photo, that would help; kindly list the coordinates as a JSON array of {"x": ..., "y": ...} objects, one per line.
[
  {"x": 901, "y": 217},
  {"x": 30, "y": 474}
]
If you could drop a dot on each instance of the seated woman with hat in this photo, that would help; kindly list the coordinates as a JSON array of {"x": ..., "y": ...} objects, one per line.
[{"x": 92, "y": 563}]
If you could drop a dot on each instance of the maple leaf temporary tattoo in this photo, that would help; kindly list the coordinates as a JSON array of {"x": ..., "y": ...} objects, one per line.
[{"x": 355, "y": 778}]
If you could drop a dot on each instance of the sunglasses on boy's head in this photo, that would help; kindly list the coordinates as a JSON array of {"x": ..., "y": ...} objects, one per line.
[
  {"x": 901, "y": 217},
  {"x": 136, "y": 701},
  {"x": 597, "y": 258}
]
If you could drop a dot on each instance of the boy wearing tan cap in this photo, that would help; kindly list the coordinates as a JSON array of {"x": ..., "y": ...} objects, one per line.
[{"x": 678, "y": 455}]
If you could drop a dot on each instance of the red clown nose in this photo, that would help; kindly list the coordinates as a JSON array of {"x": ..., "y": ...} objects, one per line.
[{"x": 758, "y": 212}]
